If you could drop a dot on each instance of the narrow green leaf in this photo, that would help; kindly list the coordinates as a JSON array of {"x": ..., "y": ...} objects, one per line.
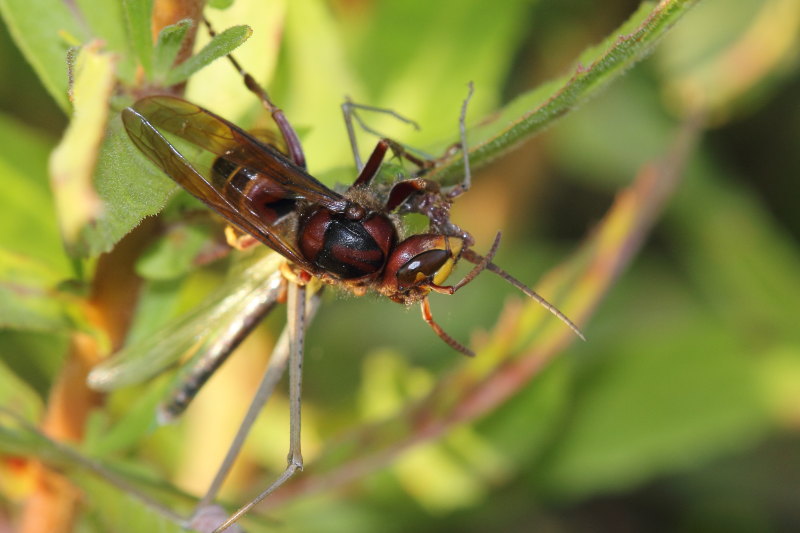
[
  {"x": 758, "y": 287},
  {"x": 14, "y": 442},
  {"x": 107, "y": 22},
  {"x": 114, "y": 496},
  {"x": 217, "y": 87},
  {"x": 18, "y": 437},
  {"x": 35, "y": 357},
  {"x": 169, "y": 44},
  {"x": 137, "y": 15},
  {"x": 27, "y": 201},
  {"x": 43, "y": 31},
  {"x": 220, "y": 4},
  {"x": 137, "y": 420},
  {"x": 534, "y": 111},
  {"x": 27, "y": 296},
  {"x": 73, "y": 162},
  {"x": 174, "y": 255},
  {"x": 122, "y": 512},
  {"x": 221, "y": 45},
  {"x": 545, "y": 400},
  {"x": 17, "y": 395},
  {"x": 192, "y": 331}
]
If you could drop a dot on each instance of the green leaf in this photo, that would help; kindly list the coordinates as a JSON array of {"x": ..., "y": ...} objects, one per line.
[
  {"x": 426, "y": 77},
  {"x": 137, "y": 15},
  {"x": 27, "y": 202},
  {"x": 696, "y": 397},
  {"x": 137, "y": 420},
  {"x": 130, "y": 187},
  {"x": 220, "y": 4},
  {"x": 72, "y": 163},
  {"x": 545, "y": 400},
  {"x": 423, "y": 78},
  {"x": 35, "y": 357},
  {"x": 169, "y": 44},
  {"x": 27, "y": 295},
  {"x": 119, "y": 511},
  {"x": 115, "y": 497},
  {"x": 18, "y": 437},
  {"x": 217, "y": 86},
  {"x": 107, "y": 22},
  {"x": 15, "y": 442},
  {"x": 610, "y": 159},
  {"x": 174, "y": 255},
  {"x": 44, "y": 30},
  {"x": 221, "y": 45},
  {"x": 17, "y": 396},
  {"x": 758, "y": 290}
]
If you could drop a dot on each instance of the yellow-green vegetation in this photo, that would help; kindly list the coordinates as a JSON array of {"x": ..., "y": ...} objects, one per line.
[{"x": 640, "y": 160}]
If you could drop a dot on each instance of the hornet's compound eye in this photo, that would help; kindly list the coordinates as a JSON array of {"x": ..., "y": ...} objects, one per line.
[{"x": 422, "y": 266}]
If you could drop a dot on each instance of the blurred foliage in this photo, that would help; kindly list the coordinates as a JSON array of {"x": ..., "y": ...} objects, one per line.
[{"x": 679, "y": 413}]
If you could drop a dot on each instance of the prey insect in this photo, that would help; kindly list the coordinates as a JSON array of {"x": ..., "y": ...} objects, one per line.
[{"x": 350, "y": 240}]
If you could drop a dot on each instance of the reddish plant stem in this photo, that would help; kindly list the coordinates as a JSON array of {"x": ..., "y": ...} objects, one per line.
[
  {"x": 52, "y": 506},
  {"x": 167, "y": 12}
]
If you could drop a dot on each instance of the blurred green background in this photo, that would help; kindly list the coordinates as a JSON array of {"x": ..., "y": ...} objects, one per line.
[{"x": 680, "y": 413}]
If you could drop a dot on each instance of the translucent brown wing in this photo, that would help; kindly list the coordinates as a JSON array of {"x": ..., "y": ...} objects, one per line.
[
  {"x": 220, "y": 137},
  {"x": 151, "y": 143}
]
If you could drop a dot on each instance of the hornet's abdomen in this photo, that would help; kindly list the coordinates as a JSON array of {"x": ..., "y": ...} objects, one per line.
[{"x": 264, "y": 197}]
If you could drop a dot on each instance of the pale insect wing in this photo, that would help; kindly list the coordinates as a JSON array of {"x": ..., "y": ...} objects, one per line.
[
  {"x": 158, "y": 149},
  {"x": 190, "y": 332},
  {"x": 216, "y": 348}
]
